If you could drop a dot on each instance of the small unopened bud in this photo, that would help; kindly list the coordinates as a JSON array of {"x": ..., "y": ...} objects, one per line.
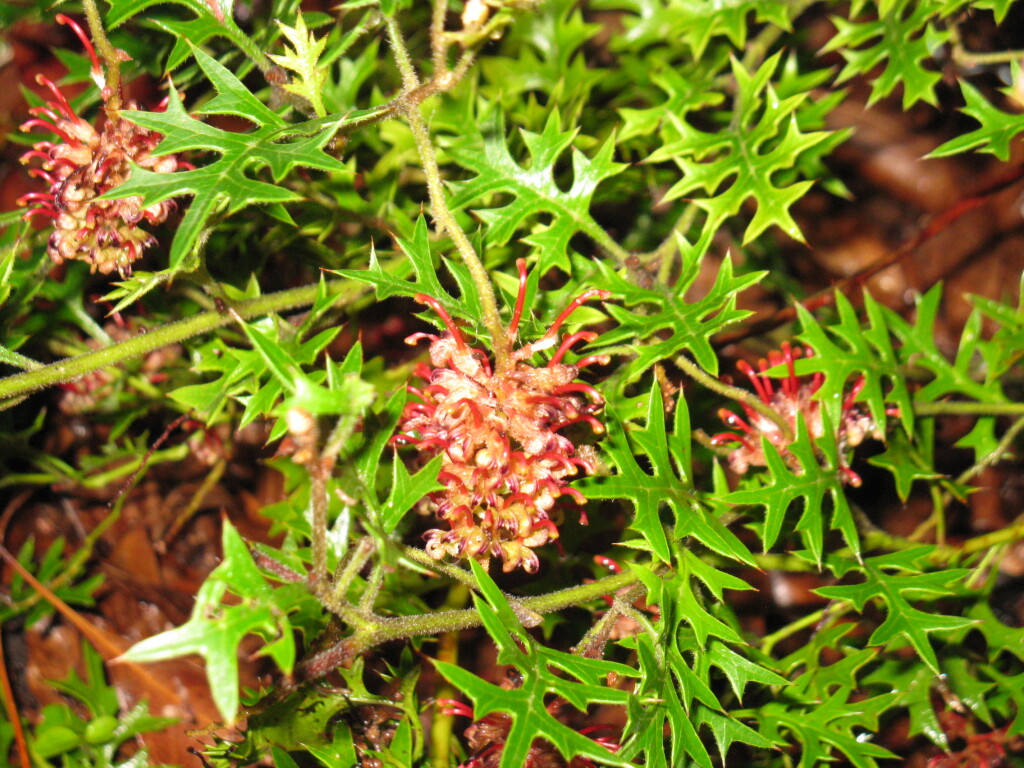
[
  {"x": 302, "y": 428},
  {"x": 475, "y": 14}
]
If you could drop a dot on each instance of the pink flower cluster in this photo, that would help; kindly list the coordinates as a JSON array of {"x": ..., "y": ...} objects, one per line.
[
  {"x": 85, "y": 164},
  {"x": 793, "y": 399},
  {"x": 505, "y": 464}
]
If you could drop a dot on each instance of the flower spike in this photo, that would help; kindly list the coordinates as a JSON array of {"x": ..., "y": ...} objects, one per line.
[
  {"x": 84, "y": 165},
  {"x": 793, "y": 400},
  {"x": 505, "y": 464}
]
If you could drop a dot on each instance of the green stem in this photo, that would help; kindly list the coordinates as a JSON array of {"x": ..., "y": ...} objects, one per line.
[
  {"x": 969, "y": 59},
  {"x": 697, "y": 373},
  {"x": 18, "y": 360},
  {"x": 65, "y": 370},
  {"x": 111, "y": 56},
  {"x": 453, "y": 572},
  {"x": 443, "y": 218},
  {"x": 318, "y": 476},
  {"x": 598, "y": 234},
  {"x": 441, "y": 725},
  {"x": 438, "y": 38},
  {"x": 966, "y": 58},
  {"x": 1007, "y": 535},
  {"x": 381, "y": 629},
  {"x": 768, "y": 642},
  {"x": 968, "y": 409},
  {"x": 409, "y": 78}
]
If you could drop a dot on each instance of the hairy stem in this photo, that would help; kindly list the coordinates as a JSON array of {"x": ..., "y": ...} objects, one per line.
[
  {"x": 405, "y": 66},
  {"x": 598, "y": 234},
  {"x": 438, "y": 39},
  {"x": 380, "y": 629},
  {"x": 453, "y": 572},
  {"x": 593, "y": 643},
  {"x": 969, "y": 59},
  {"x": 21, "y": 384},
  {"x": 443, "y": 218},
  {"x": 1008, "y": 535},
  {"x": 945, "y": 408},
  {"x": 111, "y": 56}
]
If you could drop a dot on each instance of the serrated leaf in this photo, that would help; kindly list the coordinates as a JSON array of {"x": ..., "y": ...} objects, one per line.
[
  {"x": 740, "y": 671},
  {"x": 1000, "y": 637},
  {"x": 649, "y": 312},
  {"x": 687, "y": 89},
  {"x": 811, "y": 483},
  {"x": 901, "y": 38},
  {"x": 214, "y": 18},
  {"x": 535, "y": 191},
  {"x": 830, "y": 725},
  {"x": 762, "y": 139},
  {"x": 215, "y": 629},
  {"x": 345, "y": 394},
  {"x": 657, "y": 703},
  {"x": 696, "y": 24},
  {"x": 997, "y": 128},
  {"x": 408, "y": 489},
  {"x": 548, "y": 57},
  {"x": 647, "y": 491},
  {"x": 909, "y": 581},
  {"x": 392, "y": 281},
  {"x": 578, "y": 680},
  {"x": 304, "y": 61},
  {"x": 728, "y": 730},
  {"x": 959, "y": 376},
  {"x": 704, "y": 625},
  {"x": 866, "y": 352},
  {"x": 224, "y": 184},
  {"x": 975, "y": 371},
  {"x": 914, "y": 684},
  {"x": 909, "y": 461}
]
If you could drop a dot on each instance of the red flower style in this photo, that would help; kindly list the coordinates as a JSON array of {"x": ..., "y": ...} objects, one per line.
[
  {"x": 486, "y": 739},
  {"x": 85, "y": 164},
  {"x": 505, "y": 463},
  {"x": 794, "y": 398}
]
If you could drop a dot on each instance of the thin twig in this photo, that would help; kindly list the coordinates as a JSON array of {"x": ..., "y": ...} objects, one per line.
[
  {"x": 443, "y": 218},
  {"x": 965, "y": 58},
  {"x": 68, "y": 369}
]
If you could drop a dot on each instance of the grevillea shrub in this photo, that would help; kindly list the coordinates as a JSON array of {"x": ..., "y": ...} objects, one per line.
[{"x": 704, "y": 447}]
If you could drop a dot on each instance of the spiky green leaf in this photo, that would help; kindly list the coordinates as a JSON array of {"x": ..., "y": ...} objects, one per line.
[
  {"x": 742, "y": 160},
  {"x": 533, "y": 185},
  {"x": 226, "y": 184}
]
